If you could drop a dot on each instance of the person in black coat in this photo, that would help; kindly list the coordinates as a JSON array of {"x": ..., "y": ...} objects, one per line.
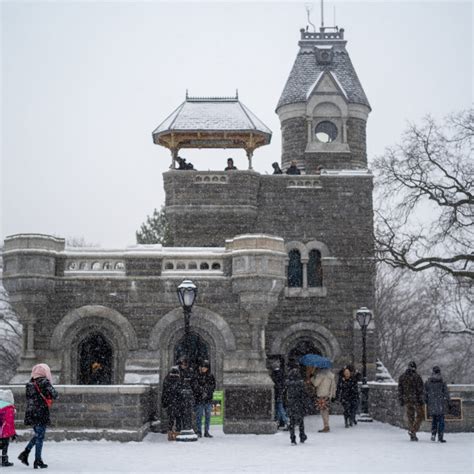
[
  {"x": 293, "y": 169},
  {"x": 171, "y": 400},
  {"x": 204, "y": 386},
  {"x": 296, "y": 402},
  {"x": 437, "y": 399},
  {"x": 39, "y": 396},
  {"x": 347, "y": 393}
]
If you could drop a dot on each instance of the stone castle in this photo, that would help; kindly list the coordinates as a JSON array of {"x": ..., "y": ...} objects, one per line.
[{"x": 282, "y": 262}]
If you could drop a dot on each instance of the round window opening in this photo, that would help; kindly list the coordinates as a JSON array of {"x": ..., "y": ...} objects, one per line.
[{"x": 326, "y": 132}]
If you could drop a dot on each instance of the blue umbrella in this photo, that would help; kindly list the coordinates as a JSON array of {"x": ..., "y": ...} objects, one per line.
[{"x": 315, "y": 360}]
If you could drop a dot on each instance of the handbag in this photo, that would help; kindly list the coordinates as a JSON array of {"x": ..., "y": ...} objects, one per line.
[{"x": 48, "y": 401}]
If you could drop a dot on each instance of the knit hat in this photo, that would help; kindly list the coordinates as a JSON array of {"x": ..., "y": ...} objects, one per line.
[
  {"x": 7, "y": 396},
  {"x": 436, "y": 370},
  {"x": 41, "y": 370},
  {"x": 412, "y": 365},
  {"x": 205, "y": 363},
  {"x": 174, "y": 370}
]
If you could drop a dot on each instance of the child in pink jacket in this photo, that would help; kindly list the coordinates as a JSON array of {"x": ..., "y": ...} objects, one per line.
[{"x": 7, "y": 424}]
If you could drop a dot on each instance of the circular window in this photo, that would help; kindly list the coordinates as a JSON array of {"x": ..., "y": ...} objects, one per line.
[{"x": 326, "y": 132}]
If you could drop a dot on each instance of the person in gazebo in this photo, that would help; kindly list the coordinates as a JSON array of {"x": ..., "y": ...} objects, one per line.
[{"x": 230, "y": 165}]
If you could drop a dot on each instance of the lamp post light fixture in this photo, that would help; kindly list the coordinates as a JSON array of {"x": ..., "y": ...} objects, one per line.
[
  {"x": 187, "y": 292},
  {"x": 364, "y": 316}
]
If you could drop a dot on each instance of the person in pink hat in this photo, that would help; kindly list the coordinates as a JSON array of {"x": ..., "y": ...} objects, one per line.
[
  {"x": 7, "y": 424},
  {"x": 40, "y": 394}
]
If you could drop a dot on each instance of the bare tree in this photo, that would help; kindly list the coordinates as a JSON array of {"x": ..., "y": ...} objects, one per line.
[
  {"x": 10, "y": 337},
  {"x": 418, "y": 319},
  {"x": 425, "y": 193},
  {"x": 407, "y": 328}
]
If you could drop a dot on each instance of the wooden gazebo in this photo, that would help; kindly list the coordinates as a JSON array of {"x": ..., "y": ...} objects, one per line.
[{"x": 212, "y": 122}]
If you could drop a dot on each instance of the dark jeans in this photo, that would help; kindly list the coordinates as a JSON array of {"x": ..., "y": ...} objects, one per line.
[
  {"x": 37, "y": 440},
  {"x": 200, "y": 410},
  {"x": 280, "y": 413},
  {"x": 350, "y": 410},
  {"x": 293, "y": 422},
  {"x": 4, "y": 442},
  {"x": 437, "y": 425}
]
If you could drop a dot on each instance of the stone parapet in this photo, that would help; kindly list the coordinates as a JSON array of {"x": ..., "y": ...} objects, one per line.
[
  {"x": 384, "y": 406},
  {"x": 90, "y": 412}
]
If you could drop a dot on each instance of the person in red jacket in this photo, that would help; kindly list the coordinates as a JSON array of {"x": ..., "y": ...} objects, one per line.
[{"x": 7, "y": 424}]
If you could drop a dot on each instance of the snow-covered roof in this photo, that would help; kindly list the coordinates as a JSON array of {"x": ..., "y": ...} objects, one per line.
[
  {"x": 306, "y": 70},
  {"x": 212, "y": 114}
]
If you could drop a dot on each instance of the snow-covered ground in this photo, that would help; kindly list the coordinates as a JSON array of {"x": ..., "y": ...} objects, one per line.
[{"x": 373, "y": 448}]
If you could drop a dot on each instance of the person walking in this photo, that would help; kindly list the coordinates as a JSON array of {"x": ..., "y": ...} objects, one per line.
[
  {"x": 437, "y": 399},
  {"x": 7, "y": 424},
  {"x": 325, "y": 385},
  {"x": 171, "y": 401},
  {"x": 296, "y": 402},
  {"x": 410, "y": 395},
  {"x": 205, "y": 385},
  {"x": 347, "y": 393},
  {"x": 39, "y": 397},
  {"x": 278, "y": 378}
]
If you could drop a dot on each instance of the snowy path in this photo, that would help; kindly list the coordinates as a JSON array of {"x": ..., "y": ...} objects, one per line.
[{"x": 369, "y": 448}]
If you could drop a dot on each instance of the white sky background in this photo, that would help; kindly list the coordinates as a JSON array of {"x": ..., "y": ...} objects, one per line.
[{"x": 84, "y": 84}]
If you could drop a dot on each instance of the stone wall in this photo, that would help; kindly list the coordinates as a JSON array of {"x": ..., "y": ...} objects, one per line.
[
  {"x": 112, "y": 412},
  {"x": 294, "y": 137},
  {"x": 384, "y": 406}
]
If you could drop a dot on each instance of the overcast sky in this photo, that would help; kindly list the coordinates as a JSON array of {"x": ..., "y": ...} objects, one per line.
[{"x": 85, "y": 83}]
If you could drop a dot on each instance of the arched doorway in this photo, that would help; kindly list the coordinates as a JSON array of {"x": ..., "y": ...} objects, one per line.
[
  {"x": 303, "y": 347},
  {"x": 95, "y": 359},
  {"x": 198, "y": 350}
]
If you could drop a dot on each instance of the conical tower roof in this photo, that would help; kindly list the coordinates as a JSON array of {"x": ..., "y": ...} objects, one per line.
[{"x": 319, "y": 52}]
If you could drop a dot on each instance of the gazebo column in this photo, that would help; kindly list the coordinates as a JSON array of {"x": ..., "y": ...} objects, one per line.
[
  {"x": 174, "y": 155},
  {"x": 249, "y": 156}
]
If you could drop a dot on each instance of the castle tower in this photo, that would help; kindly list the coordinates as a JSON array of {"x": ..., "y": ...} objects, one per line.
[{"x": 323, "y": 109}]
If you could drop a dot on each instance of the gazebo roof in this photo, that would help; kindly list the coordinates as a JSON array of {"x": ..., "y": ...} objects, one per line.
[{"x": 212, "y": 122}]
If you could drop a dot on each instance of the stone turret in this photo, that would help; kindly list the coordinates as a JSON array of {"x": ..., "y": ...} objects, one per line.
[{"x": 323, "y": 109}]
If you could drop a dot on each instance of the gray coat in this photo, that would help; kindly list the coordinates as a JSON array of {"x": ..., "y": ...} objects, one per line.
[{"x": 436, "y": 395}]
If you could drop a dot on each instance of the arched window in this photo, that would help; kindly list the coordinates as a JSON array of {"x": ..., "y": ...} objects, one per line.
[
  {"x": 315, "y": 271},
  {"x": 295, "y": 269}
]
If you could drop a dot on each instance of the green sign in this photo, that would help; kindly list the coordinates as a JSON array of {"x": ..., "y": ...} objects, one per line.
[{"x": 217, "y": 409}]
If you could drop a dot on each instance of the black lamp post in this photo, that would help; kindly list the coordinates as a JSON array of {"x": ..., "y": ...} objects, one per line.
[
  {"x": 187, "y": 292},
  {"x": 364, "y": 316}
]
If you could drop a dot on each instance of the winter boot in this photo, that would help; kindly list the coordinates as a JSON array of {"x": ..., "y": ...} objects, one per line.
[
  {"x": 346, "y": 422},
  {"x": 208, "y": 435},
  {"x": 293, "y": 440},
  {"x": 441, "y": 438},
  {"x": 23, "y": 457},
  {"x": 433, "y": 436},
  {"x": 412, "y": 436},
  {"x": 324, "y": 430},
  {"x": 303, "y": 438},
  {"x": 39, "y": 464},
  {"x": 199, "y": 433},
  {"x": 5, "y": 462}
]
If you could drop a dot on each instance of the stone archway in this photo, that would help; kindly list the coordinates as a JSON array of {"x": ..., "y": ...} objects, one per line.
[
  {"x": 321, "y": 337},
  {"x": 81, "y": 323},
  {"x": 211, "y": 327}
]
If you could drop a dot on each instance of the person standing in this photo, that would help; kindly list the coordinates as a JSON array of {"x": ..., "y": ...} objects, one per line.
[
  {"x": 204, "y": 391},
  {"x": 293, "y": 168},
  {"x": 276, "y": 168},
  {"x": 410, "y": 395},
  {"x": 39, "y": 397},
  {"x": 171, "y": 400},
  {"x": 347, "y": 393},
  {"x": 325, "y": 385},
  {"x": 7, "y": 424},
  {"x": 437, "y": 399},
  {"x": 278, "y": 378},
  {"x": 296, "y": 402},
  {"x": 230, "y": 165}
]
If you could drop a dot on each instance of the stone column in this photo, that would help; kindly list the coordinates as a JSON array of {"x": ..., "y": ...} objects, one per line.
[{"x": 258, "y": 276}]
